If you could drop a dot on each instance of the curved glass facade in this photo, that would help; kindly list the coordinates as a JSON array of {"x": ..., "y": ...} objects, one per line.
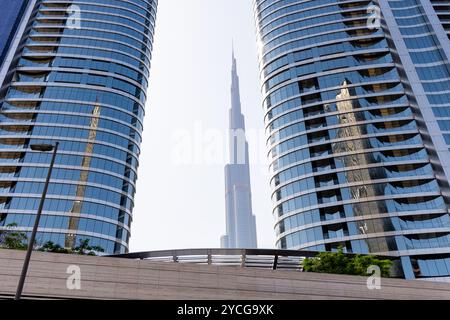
[
  {"x": 349, "y": 162},
  {"x": 80, "y": 77}
]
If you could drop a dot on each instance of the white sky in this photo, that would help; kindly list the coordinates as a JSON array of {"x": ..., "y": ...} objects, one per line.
[{"x": 180, "y": 201}]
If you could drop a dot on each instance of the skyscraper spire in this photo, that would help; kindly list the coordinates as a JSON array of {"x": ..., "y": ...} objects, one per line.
[
  {"x": 240, "y": 222},
  {"x": 233, "y": 61}
]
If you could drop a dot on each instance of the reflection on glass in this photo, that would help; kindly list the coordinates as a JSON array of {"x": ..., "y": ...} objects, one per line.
[
  {"x": 356, "y": 158},
  {"x": 75, "y": 212}
]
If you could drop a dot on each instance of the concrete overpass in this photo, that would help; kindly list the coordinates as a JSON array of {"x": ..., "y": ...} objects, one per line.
[{"x": 55, "y": 276}]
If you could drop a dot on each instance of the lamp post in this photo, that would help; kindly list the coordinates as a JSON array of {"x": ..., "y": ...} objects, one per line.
[{"x": 41, "y": 148}]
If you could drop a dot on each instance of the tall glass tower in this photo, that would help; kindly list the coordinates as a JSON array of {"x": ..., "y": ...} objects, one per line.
[
  {"x": 76, "y": 72},
  {"x": 240, "y": 221},
  {"x": 357, "y": 105}
]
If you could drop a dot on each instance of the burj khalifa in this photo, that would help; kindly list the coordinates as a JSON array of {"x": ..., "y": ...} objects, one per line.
[{"x": 240, "y": 221}]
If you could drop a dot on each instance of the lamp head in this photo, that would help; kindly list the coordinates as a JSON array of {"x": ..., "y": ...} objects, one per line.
[{"x": 42, "y": 147}]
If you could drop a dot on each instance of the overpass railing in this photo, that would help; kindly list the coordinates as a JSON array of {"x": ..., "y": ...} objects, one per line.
[{"x": 245, "y": 258}]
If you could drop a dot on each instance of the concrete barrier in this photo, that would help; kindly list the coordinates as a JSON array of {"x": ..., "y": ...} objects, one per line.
[{"x": 49, "y": 276}]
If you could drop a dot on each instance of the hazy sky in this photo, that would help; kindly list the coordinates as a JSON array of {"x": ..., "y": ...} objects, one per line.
[{"x": 180, "y": 191}]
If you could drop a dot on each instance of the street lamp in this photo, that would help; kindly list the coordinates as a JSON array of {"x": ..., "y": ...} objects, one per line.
[{"x": 41, "y": 148}]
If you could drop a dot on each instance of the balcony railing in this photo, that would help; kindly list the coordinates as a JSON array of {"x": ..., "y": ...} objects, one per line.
[{"x": 245, "y": 258}]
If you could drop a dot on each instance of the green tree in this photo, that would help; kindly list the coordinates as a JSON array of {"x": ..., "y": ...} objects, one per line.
[
  {"x": 13, "y": 239},
  {"x": 55, "y": 248},
  {"x": 327, "y": 262},
  {"x": 360, "y": 263},
  {"x": 85, "y": 249},
  {"x": 339, "y": 263}
]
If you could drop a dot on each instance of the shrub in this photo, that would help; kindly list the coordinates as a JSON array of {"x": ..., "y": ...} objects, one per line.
[
  {"x": 83, "y": 248},
  {"x": 55, "y": 248},
  {"x": 339, "y": 263}
]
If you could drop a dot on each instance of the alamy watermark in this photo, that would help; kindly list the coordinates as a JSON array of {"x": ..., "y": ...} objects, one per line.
[
  {"x": 74, "y": 17},
  {"x": 208, "y": 146},
  {"x": 74, "y": 280},
  {"x": 374, "y": 19},
  {"x": 374, "y": 280}
]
